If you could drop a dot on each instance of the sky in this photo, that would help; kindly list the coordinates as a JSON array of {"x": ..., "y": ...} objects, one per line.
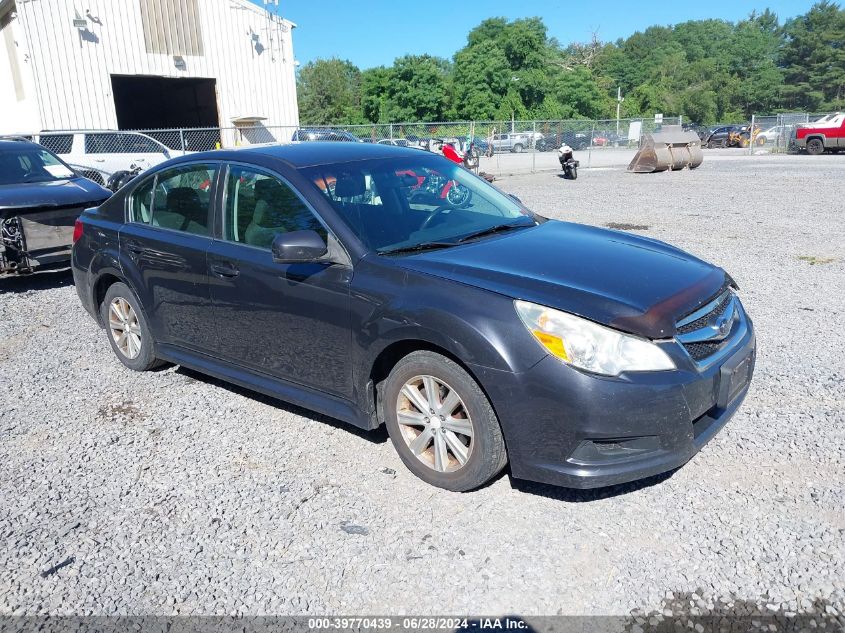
[{"x": 374, "y": 32}]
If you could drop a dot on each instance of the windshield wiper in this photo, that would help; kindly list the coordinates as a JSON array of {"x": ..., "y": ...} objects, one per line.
[
  {"x": 422, "y": 246},
  {"x": 496, "y": 228}
]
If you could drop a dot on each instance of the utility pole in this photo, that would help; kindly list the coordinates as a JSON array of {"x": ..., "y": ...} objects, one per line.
[{"x": 619, "y": 100}]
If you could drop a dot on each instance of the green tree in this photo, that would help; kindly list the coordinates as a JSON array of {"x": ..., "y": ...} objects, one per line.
[
  {"x": 581, "y": 96},
  {"x": 374, "y": 94},
  {"x": 329, "y": 91},
  {"x": 417, "y": 88},
  {"x": 481, "y": 78},
  {"x": 814, "y": 58}
]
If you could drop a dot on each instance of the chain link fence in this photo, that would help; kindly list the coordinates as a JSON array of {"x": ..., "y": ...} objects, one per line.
[
  {"x": 502, "y": 147},
  {"x": 775, "y": 132}
]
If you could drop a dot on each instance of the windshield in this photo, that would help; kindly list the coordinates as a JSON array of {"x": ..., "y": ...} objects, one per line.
[
  {"x": 400, "y": 203},
  {"x": 31, "y": 164}
]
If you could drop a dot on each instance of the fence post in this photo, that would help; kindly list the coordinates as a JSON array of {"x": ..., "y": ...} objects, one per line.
[
  {"x": 534, "y": 147},
  {"x": 751, "y": 136},
  {"x": 182, "y": 138},
  {"x": 391, "y": 131},
  {"x": 590, "y": 153}
]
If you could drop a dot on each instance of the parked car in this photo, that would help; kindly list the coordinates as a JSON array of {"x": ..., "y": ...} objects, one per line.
[
  {"x": 398, "y": 142},
  {"x": 513, "y": 142},
  {"x": 772, "y": 134},
  {"x": 724, "y": 136},
  {"x": 324, "y": 134},
  {"x": 479, "y": 333},
  {"x": 40, "y": 199},
  {"x": 98, "y": 154},
  {"x": 816, "y": 138},
  {"x": 575, "y": 140}
]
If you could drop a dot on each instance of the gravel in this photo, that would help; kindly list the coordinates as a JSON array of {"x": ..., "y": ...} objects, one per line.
[{"x": 171, "y": 493}]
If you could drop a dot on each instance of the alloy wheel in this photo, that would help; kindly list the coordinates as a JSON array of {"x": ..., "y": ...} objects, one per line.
[
  {"x": 124, "y": 327},
  {"x": 435, "y": 423}
]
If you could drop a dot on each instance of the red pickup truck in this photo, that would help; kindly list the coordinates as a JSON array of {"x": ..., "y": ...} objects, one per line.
[{"x": 826, "y": 133}]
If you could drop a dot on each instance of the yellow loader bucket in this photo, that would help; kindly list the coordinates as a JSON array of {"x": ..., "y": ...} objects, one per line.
[{"x": 670, "y": 148}]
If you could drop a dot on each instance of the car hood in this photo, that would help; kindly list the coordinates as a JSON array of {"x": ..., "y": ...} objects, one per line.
[
  {"x": 631, "y": 283},
  {"x": 56, "y": 193}
]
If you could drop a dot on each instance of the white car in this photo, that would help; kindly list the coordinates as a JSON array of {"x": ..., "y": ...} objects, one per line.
[
  {"x": 398, "y": 142},
  {"x": 97, "y": 154}
]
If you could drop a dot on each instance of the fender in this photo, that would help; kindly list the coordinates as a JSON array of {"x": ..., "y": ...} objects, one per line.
[{"x": 463, "y": 320}]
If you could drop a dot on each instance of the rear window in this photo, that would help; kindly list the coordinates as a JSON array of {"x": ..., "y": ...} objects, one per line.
[{"x": 57, "y": 143}]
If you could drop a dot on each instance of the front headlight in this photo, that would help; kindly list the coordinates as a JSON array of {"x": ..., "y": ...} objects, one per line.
[{"x": 590, "y": 346}]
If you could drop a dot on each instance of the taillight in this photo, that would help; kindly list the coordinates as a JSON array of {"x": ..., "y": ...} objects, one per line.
[{"x": 77, "y": 230}]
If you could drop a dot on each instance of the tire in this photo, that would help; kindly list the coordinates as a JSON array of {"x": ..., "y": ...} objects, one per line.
[
  {"x": 573, "y": 174},
  {"x": 517, "y": 149},
  {"x": 815, "y": 146},
  {"x": 483, "y": 454},
  {"x": 137, "y": 351}
]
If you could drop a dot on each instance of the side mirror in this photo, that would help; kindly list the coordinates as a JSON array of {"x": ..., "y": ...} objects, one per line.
[{"x": 297, "y": 247}]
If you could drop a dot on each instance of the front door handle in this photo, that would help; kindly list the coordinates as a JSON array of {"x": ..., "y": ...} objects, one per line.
[{"x": 224, "y": 269}]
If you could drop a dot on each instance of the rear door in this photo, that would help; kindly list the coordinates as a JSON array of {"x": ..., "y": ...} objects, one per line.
[
  {"x": 290, "y": 321},
  {"x": 165, "y": 243}
]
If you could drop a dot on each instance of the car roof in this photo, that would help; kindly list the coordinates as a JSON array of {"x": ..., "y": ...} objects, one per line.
[
  {"x": 16, "y": 143},
  {"x": 309, "y": 154}
]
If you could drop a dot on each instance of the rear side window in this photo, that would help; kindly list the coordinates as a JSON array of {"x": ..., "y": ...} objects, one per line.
[
  {"x": 259, "y": 206},
  {"x": 57, "y": 143},
  {"x": 177, "y": 199},
  {"x": 142, "y": 202}
]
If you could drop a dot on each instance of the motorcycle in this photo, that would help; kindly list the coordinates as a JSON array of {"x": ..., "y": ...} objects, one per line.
[
  {"x": 567, "y": 162},
  {"x": 122, "y": 177}
]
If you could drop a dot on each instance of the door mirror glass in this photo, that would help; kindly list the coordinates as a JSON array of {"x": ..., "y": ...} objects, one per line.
[{"x": 297, "y": 247}]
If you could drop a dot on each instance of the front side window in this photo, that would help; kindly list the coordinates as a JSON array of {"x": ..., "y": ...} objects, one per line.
[
  {"x": 259, "y": 206},
  {"x": 396, "y": 204},
  {"x": 177, "y": 198}
]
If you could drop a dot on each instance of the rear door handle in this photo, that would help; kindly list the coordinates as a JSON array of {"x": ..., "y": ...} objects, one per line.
[
  {"x": 224, "y": 269},
  {"x": 135, "y": 247}
]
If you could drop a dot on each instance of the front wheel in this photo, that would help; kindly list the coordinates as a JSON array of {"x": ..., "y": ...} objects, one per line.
[
  {"x": 815, "y": 146},
  {"x": 441, "y": 423},
  {"x": 517, "y": 148},
  {"x": 128, "y": 332},
  {"x": 573, "y": 173}
]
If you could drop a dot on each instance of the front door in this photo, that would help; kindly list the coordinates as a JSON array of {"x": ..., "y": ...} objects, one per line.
[
  {"x": 165, "y": 243},
  {"x": 290, "y": 321}
]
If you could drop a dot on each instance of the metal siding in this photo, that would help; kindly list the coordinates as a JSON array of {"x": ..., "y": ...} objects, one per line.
[{"x": 73, "y": 76}]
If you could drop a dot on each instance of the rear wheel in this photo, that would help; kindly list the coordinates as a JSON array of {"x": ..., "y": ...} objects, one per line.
[
  {"x": 128, "y": 332},
  {"x": 441, "y": 423},
  {"x": 815, "y": 146}
]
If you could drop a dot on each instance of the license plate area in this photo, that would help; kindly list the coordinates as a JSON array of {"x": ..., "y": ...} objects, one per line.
[{"x": 734, "y": 377}]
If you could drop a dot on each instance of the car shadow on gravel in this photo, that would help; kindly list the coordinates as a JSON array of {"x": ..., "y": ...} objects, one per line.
[
  {"x": 573, "y": 495},
  {"x": 42, "y": 280},
  {"x": 376, "y": 436}
]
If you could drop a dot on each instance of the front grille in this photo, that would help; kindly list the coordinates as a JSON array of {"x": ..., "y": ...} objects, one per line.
[
  {"x": 697, "y": 336},
  {"x": 702, "y": 321},
  {"x": 700, "y": 351}
]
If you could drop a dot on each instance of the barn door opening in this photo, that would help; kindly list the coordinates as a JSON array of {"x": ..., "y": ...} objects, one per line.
[{"x": 155, "y": 103}]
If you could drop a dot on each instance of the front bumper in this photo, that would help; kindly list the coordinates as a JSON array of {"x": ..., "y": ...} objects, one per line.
[{"x": 566, "y": 427}]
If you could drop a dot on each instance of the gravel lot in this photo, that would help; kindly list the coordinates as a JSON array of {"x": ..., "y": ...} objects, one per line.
[{"x": 168, "y": 492}]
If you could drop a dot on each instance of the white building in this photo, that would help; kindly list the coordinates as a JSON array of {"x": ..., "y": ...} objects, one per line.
[{"x": 144, "y": 64}]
